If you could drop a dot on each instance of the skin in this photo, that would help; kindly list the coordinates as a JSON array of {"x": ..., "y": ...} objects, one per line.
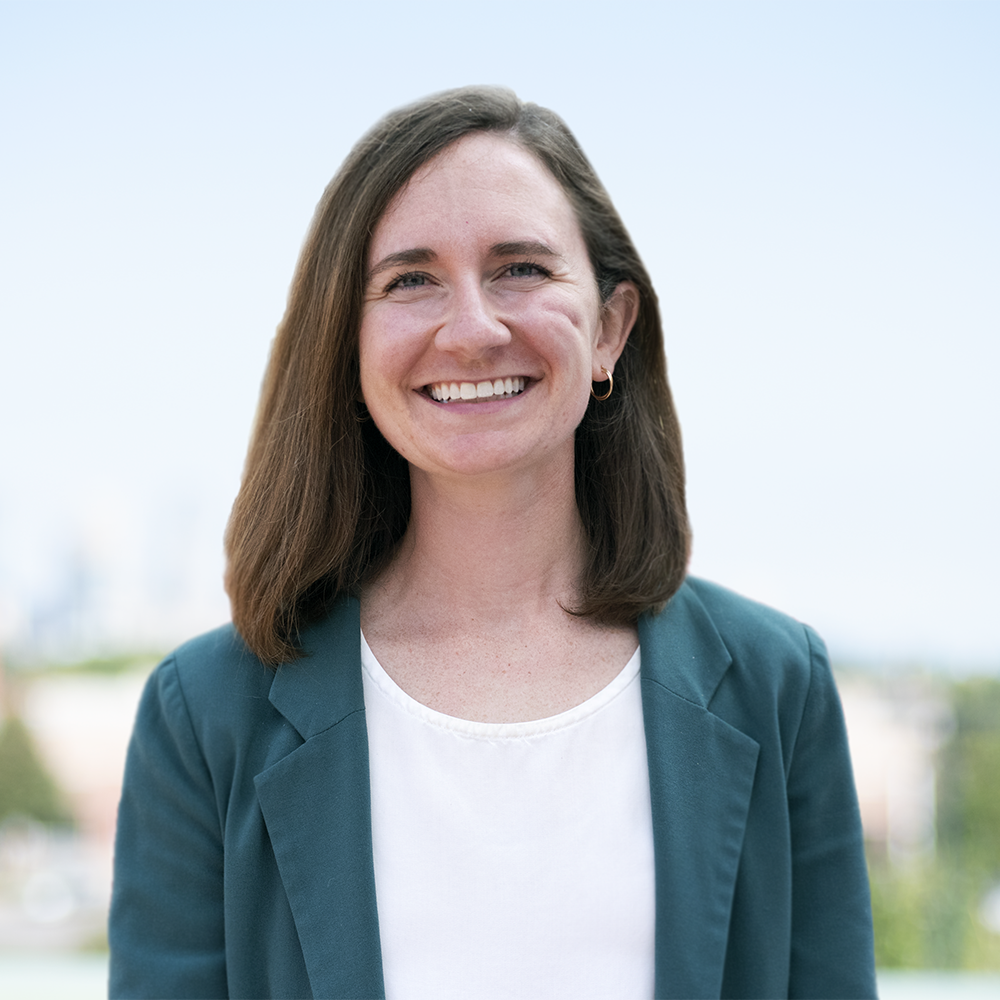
[{"x": 478, "y": 271}]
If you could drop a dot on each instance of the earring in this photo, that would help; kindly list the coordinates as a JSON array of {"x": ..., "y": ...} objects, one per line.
[{"x": 611, "y": 386}]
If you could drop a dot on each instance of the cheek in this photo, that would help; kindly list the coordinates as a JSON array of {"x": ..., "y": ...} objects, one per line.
[
  {"x": 390, "y": 344},
  {"x": 380, "y": 358},
  {"x": 581, "y": 401},
  {"x": 567, "y": 336},
  {"x": 575, "y": 314},
  {"x": 380, "y": 395},
  {"x": 368, "y": 362},
  {"x": 369, "y": 383}
]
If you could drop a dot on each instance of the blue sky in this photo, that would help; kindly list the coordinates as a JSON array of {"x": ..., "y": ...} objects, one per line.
[{"x": 813, "y": 187}]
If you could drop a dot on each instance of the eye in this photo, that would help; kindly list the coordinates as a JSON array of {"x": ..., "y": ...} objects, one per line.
[
  {"x": 413, "y": 279},
  {"x": 525, "y": 269}
]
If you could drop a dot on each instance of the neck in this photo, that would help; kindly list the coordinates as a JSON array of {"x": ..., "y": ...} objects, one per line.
[{"x": 494, "y": 549}]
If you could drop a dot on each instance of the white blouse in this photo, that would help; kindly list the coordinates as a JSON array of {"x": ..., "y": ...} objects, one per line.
[{"x": 512, "y": 859}]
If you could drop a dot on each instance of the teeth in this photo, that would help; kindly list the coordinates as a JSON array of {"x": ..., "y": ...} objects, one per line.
[{"x": 445, "y": 392}]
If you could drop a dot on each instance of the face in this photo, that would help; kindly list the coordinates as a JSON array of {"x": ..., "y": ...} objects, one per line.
[{"x": 482, "y": 326}]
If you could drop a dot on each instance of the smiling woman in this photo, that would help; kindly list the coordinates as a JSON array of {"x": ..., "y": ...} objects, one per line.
[
  {"x": 473, "y": 733},
  {"x": 505, "y": 292}
]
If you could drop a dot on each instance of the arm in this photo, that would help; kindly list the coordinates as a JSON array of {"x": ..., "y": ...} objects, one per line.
[
  {"x": 166, "y": 928},
  {"x": 832, "y": 943}
]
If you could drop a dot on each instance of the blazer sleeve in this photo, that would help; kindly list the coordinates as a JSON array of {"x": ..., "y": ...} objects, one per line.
[
  {"x": 832, "y": 943},
  {"x": 166, "y": 927}
]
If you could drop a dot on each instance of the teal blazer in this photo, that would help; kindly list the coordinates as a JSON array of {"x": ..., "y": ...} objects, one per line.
[{"x": 243, "y": 862}]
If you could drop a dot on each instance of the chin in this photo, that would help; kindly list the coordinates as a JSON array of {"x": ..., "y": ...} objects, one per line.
[{"x": 479, "y": 459}]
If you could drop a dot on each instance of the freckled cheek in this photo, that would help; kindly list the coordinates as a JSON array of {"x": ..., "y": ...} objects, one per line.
[
  {"x": 404, "y": 329},
  {"x": 386, "y": 359}
]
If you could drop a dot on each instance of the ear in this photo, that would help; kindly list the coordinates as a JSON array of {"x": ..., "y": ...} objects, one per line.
[{"x": 618, "y": 316}]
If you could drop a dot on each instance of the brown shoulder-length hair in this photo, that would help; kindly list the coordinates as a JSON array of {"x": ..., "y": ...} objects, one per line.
[{"x": 325, "y": 500}]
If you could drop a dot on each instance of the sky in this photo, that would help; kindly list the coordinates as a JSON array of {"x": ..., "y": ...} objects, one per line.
[{"x": 812, "y": 187}]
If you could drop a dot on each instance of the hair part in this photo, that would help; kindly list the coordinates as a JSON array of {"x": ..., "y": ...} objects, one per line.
[{"x": 325, "y": 500}]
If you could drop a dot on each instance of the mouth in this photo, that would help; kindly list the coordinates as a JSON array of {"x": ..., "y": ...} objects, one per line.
[{"x": 499, "y": 388}]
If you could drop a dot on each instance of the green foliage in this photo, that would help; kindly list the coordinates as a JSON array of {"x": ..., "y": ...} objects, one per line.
[
  {"x": 26, "y": 788},
  {"x": 898, "y": 904},
  {"x": 926, "y": 912},
  {"x": 925, "y": 918},
  {"x": 969, "y": 779}
]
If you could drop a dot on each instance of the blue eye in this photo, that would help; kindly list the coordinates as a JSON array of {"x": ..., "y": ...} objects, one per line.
[
  {"x": 525, "y": 269},
  {"x": 412, "y": 280}
]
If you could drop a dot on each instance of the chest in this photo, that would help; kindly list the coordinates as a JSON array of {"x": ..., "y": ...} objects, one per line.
[
  {"x": 531, "y": 839},
  {"x": 511, "y": 674}
]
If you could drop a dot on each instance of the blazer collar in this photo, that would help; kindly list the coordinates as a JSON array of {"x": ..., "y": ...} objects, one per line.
[
  {"x": 316, "y": 802},
  {"x": 324, "y": 686},
  {"x": 682, "y": 649}
]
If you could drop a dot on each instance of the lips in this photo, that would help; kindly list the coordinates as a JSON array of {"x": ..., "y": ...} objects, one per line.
[{"x": 500, "y": 388}]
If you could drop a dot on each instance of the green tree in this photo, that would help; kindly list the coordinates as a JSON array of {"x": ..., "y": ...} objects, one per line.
[
  {"x": 26, "y": 787},
  {"x": 969, "y": 779},
  {"x": 925, "y": 912}
]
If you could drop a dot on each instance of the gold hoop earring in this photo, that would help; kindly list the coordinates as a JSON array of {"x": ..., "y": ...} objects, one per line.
[{"x": 611, "y": 386}]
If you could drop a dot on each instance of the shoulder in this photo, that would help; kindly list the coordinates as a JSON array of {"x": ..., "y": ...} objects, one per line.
[
  {"x": 749, "y": 664},
  {"x": 706, "y": 629},
  {"x": 217, "y": 665},
  {"x": 211, "y": 694},
  {"x": 751, "y": 630},
  {"x": 215, "y": 671},
  {"x": 239, "y": 707}
]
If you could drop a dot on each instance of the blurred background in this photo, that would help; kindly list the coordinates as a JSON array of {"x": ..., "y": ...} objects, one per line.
[{"x": 814, "y": 189}]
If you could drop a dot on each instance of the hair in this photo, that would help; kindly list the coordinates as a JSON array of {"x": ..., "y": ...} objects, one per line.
[{"x": 325, "y": 499}]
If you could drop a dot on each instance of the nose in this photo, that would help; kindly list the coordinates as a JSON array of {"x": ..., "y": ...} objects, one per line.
[{"x": 472, "y": 327}]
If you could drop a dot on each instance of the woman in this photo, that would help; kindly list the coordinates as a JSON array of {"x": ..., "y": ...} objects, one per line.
[{"x": 473, "y": 733}]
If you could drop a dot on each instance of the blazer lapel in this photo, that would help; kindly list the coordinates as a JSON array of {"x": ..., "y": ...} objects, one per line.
[
  {"x": 701, "y": 773},
  {"x": 316, "y": 805}
]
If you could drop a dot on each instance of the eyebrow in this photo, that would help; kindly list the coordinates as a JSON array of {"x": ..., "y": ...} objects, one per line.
[
  {"x": 418, "y": 255},
  {"x": 527, "y": 248}
]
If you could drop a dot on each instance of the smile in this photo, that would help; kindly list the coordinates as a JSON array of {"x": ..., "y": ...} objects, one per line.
[{"x": 501, "y": 388}]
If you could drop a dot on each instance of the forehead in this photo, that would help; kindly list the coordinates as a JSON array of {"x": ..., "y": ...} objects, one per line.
[{"x": 483, "y": 184}]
